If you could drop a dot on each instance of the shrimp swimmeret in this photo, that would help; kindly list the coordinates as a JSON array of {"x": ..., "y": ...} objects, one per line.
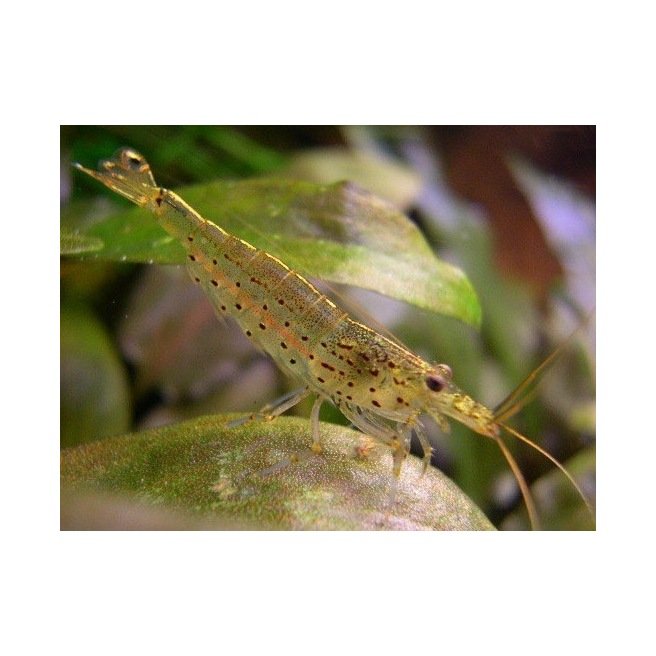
[{"x": 380, "y": 386}]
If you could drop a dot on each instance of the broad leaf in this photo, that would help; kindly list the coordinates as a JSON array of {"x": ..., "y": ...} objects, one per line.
[
  {"x": 210, "y": 475},
  {"x": 339, "y": 233},
  {"x": 94, "y": 394},
  {"x": 74, "y": 243},
  {"x": 385, "y": 177}
]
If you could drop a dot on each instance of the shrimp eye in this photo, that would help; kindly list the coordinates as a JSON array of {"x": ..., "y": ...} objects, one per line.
[
  {"x": 132, "y": 159},
  {"x": 435, "y": 383}
]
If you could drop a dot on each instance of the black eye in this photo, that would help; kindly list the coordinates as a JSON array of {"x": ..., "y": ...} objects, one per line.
[
  {"x": 435, "y": 383},
  {"x": 132, "y": 159}
]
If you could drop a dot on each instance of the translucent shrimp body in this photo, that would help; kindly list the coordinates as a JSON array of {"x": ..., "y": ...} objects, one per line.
[{"x": 381, "y": 387}]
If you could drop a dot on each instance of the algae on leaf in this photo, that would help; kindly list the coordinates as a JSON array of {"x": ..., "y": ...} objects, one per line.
[{"x": 204, "y": 472}]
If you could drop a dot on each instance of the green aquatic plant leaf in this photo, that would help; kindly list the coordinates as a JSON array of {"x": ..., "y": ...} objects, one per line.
[
  {"x": 202, "y": 474},
  {"x": 94, "y": 390},
  {"x": 385, "y": 177},
  {"x": 339, "y": 233},
  {"x": 74, "y": 243}
]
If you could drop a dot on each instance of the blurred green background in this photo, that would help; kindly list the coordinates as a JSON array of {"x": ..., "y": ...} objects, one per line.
[{"x": 513, "y": 207}]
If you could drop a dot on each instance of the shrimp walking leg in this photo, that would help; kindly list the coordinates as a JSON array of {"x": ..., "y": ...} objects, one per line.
[
  {"x": 316, "y": 447},
  {"x": 425, "y": 446},
  {"x": 273, "y": 409},
  {"x": 399, "y": 453},
  {"x": 314, "y": 419}
]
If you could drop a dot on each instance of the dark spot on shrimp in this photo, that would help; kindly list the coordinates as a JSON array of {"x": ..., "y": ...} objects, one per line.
[
  {"x": 281, "y": 301},
  {"x": 321, "y": 380},
  {"x": 262, "y": 326},
  {"x": 283, "y": 345},
  {"x": 373, "y": 372},
  {"x": 190, "y": 238},
  {"x": 325, "y": 365},
  {"x": 292, "y": 361},
  {"x": 374, "y": 402},
  {"x": 350, "y": 383},
  {"x": 372, "y": 389},
  {"x": 192, "y": 257},
  {"x": 238, "y": 306},
  {"x": 215, "y": 283}
]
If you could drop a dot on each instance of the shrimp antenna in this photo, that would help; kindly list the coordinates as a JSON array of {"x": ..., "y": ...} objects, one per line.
[
  {"x": 510, "y": 410},
  {"x": 523, "y": 486},
  {"x": 546, "y": 454},
  {"x": 521, "y": 395}
]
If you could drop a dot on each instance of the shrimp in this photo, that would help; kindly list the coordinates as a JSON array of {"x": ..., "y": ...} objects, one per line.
[{"x": 381, "y": 387}]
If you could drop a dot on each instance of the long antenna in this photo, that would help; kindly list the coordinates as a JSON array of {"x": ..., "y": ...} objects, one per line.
[
  {"x": 513, "y": 402},
  {"x": 546, "y": 454},
  {"x": 523, "y": 486}
]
